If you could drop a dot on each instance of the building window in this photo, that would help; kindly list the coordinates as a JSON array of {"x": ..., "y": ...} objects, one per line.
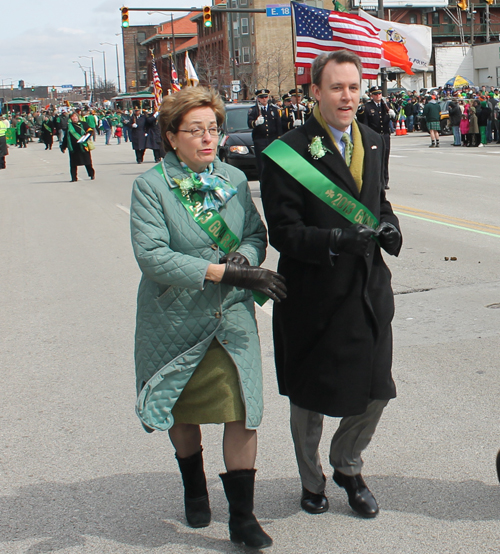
[
  {"x": 424, "y": 19},
  {"x": 413, "y": 18},
  {"x": 236, "y": 27},
  {"x": 141, "y": 37},
  {"x": 253, "y": 25},
  {"x": 435, "y": 18},
  {"x": 237, "y": 56},
  {"x": 243, "y": 2},
  {"x": 244, "y": 25},
  {"x": 245, "y": 51}
]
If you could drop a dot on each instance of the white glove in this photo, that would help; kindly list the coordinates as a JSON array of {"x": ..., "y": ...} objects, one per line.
[
  {"x": 134, "y": 125},
  {"x": 297, "y": 123},
  {"x": 157, "y": 114},
  {"x": 259, "y": 120},
  {"x": 392, "y": 113}
]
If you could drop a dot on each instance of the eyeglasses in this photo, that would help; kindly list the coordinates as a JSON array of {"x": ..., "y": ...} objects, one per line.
[{"x": 199, "y": 133}]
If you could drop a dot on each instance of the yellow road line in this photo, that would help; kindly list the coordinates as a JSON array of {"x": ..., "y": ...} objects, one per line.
[{"x": 450, "y": 221}]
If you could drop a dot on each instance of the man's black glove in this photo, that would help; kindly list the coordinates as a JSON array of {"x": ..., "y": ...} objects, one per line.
[
  {"x": 63, "y": 150},
  {"x": 255, "y": 278},
  {"x": 234, "y": 257},
  {"x": 389, "y": 237},
  {"x": 351, "y": 240}
]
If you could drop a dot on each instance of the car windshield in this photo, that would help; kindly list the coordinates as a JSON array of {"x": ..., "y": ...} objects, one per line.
[{"x": 237, "y": 120}]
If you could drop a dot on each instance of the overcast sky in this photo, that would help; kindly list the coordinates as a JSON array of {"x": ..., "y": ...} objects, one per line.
[{"x": 40, "y": 39}]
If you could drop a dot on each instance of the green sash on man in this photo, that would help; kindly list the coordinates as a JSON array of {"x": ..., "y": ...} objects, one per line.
[{"x": 317, "y": 183}]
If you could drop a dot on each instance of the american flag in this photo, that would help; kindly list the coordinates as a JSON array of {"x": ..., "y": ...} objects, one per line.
[
  {"x": 175, "y": 80},
  {"x": 157, "y": 87},
  {"x": 318, "y": 31}
]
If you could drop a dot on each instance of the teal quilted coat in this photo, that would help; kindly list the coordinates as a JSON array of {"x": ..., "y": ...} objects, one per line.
[{"x": 178, "y": 312}]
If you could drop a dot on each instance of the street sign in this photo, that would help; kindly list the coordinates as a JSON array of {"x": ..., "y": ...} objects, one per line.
[
  {"x": 236, "y": 82},
  {"x": 66, "y": 86},
  {"x": 236, "y": 88},
  {"x": 278, "y": 10}
]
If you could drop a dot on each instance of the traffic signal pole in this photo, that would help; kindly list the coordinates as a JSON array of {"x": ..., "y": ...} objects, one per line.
[{"x": 213, "y": 8}]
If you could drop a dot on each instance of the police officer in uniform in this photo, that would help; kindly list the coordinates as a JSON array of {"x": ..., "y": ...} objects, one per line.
[
  {"x": 376, "y": 116},
  {"x": 265, "y": 120},
  {"x": 300, "y": 113},
  {"x": 286, "y": 113}
]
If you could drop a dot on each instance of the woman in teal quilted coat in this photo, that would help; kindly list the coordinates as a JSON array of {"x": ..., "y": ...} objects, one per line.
[{"x": 199, "y": 241}]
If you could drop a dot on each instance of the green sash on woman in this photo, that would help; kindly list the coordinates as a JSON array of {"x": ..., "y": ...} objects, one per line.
[{"x": 212, "y": 223}]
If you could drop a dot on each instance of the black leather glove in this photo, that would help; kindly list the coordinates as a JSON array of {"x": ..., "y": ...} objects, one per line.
[
  {"x": 255, "y": 278},
  {"x": 234, "y": 257},
  {"x": 351, "y": 240},
  {"x": 63, "y": 150},
  {"x": 389, "y": 237}
]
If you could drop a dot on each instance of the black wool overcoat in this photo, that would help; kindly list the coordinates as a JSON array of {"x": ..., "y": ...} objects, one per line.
[
  {"x": 332, "y": 334},
  {"x": 138, "y": 135}
]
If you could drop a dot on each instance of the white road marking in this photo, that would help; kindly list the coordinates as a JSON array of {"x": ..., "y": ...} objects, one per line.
[
  {"x": 123, "y": 208},
  {"x": 396, "y": 156},
  {"x": 458, "y": 174}
]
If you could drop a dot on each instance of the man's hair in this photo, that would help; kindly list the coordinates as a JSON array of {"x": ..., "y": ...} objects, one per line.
[
  {"x": 175, "y": 106},
  {"x": 338, "y": 56}
]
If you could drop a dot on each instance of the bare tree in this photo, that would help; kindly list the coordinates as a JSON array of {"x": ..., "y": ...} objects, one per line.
[
  {"x": 213, "y": 70},
  {"x": 104, "y": 91},
  {"x": 275, "y": 67}
]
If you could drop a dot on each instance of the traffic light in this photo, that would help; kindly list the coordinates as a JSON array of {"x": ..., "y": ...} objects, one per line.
[
  {"x": 489, "y": 1},
  {"x": 207, "y": 16},
  {"x": 125, "y": 21},
  {"x": 53, "y": 89},
  {"x": 33, "y": 88},
  {"x": 463, "y": 4}
]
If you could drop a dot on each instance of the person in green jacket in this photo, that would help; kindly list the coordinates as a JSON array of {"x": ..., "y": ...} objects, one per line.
[{"x": 199, "y": 241}]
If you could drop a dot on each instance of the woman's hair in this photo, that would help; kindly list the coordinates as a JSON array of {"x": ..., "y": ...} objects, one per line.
[{"x": 175, "y": 106}]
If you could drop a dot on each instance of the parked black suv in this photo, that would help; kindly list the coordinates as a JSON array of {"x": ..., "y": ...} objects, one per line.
[{"x": 236, "y": 145}]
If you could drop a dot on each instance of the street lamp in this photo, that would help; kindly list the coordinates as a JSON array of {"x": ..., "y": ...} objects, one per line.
[
  {"x": 117, "y": 61},
  {"x": 104, "y": 63},
  {"x": 92, "y": 76},
  {"x": 85, "y": 76}
]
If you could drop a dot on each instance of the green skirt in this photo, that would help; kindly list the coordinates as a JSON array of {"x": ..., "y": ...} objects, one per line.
[
  {"x": 433, "y": 125},
  {"x": 213, "y": 394}
]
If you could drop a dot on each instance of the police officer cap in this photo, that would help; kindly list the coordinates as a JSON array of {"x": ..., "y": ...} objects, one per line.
[
  {"x": 295, "y": 91},
  {"x": 262, "y": 92},
  {"x": 375, "y": 90},
  {"x": 286, "y": 97}
]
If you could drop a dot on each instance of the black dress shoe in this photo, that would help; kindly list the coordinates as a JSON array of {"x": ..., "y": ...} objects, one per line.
[
  {"x": 361, "y": 500},
  {"x": 498, "y": 465},
  {"x": 387, "y": 187},
  {"x": 313, "y": 503}
]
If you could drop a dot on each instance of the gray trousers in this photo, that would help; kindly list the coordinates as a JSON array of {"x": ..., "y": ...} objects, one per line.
[{"x": 351, "y": 438}]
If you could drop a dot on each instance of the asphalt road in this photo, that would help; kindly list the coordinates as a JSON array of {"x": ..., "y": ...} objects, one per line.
[{"x": 79, "y": 475}]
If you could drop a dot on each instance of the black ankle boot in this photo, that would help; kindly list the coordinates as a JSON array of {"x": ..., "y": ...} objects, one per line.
[
  {"x": 196, "y": 503},
  {"x": 243, "y": 525}
]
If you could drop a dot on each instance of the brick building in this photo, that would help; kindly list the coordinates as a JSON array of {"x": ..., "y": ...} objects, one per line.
[
  {"x": 169, "y": 44},
  {"x": 135, "y": 56}
]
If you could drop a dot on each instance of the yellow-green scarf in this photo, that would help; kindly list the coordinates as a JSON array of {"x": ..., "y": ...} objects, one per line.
[{"x": 358, "y": 153}]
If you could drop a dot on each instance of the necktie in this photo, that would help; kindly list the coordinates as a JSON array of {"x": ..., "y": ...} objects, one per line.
[{"x": 349, "y": 147}]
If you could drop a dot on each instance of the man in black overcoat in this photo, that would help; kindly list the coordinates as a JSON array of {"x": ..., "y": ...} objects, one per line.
[
  {"x": 138, "y": 134},
  {"x": 332, "y": 334}
]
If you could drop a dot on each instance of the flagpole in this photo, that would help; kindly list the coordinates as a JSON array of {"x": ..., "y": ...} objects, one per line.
[
  {"x": 294, "y": 47},
  {"x": 383, "y": 73}
]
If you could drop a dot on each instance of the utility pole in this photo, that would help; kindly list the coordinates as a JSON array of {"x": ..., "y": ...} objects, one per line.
[
  {"x": 472, "y": 12},
  {"x": 487, "y": 18}
]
